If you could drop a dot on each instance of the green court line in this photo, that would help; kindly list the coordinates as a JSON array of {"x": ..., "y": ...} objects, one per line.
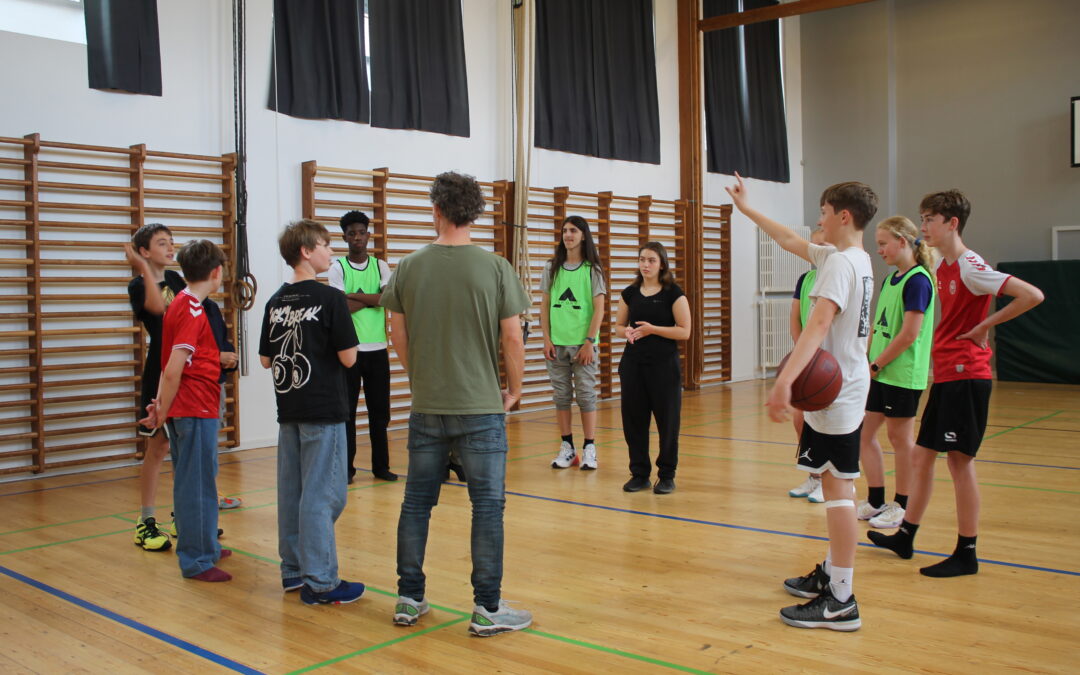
[
  {"x": 1020, "y": 426},
  {"x": 617, "y": 652},
  {"x": 366, "y": 650},
  {"x": 737, "y": 459},
  {"x": 66, "y": 541},
  {"x": 70, "y": 522}
]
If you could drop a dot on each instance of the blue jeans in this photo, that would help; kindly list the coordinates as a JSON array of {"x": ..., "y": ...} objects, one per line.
[
  {"x": 311, "y": 496},
  {"x": 193, "y": 443},
  {"x": 480, "y": 441}
]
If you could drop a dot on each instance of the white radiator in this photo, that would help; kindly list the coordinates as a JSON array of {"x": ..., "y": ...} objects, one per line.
[
  {"x": 778, "y": 270},
  {"x": 774, "y": 331}
]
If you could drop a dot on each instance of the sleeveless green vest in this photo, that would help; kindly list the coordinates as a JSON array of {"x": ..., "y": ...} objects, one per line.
[
  {"x": 370, "y": 322},
  {"x": 911, "y": 368},
  {"x": 571, "y": 307},
  {"x": 804, "y": 296}
]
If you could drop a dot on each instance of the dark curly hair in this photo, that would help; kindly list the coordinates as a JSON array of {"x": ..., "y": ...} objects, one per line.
[
  {"x": 352, "y": 217},
  {"x": 458, "y": 197},
  {"x": 949, "y": 204}
]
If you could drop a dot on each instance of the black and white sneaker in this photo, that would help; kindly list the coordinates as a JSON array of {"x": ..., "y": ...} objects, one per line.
[
  {"x": 824, "y": 611},
  {"x": 809, "y": 586}
]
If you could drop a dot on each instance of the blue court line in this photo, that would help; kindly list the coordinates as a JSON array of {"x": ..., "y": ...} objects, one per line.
[
  {"x": 131, "y": 623},
  {"x": 759, "y": 530},
  {"x": 113, "y": 480}
]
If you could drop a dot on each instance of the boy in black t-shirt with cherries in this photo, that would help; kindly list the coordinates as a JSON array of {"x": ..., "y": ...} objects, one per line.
[{"x": 308, "y": 340}]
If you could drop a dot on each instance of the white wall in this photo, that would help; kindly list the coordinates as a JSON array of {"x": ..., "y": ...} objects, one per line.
[
  {"x": 49, "y": 95},
  {"x": 781, "y": 201}
]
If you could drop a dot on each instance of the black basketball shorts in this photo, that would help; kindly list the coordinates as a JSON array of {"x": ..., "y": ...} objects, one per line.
[
  {"x": 837, "y": 453},
  {"x": 955, "y": 416}
]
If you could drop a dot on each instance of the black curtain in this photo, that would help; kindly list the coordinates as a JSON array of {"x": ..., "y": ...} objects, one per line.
[
  {"x": 122, "y": 47},
  {"x": 317, "y": 70},
  {"x": 745, "y": 122},
  {"x": 595, "y": 85},
  {"x": 418, "y": 78}
]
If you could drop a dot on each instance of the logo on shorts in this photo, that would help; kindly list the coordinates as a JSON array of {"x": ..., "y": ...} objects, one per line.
[
  {"x": 950, "y": 436},
  {"x": 805, "y": 454}
]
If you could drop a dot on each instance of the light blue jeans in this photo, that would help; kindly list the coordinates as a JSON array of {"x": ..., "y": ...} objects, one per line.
[
  {"x": 193, "y": 444},
  {"x": 311, "y": 495},
  {"x": 480, "y": 441}
]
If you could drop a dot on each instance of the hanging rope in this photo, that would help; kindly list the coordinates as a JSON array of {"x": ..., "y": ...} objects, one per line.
[
  {"x": 244, "y": 285},
  {"x": 523, "y": 118}
]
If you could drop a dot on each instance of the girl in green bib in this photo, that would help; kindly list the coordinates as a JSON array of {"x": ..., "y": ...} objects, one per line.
[
  {"x": 903, "y": 332},
  {"x": 572, "y": 311}
]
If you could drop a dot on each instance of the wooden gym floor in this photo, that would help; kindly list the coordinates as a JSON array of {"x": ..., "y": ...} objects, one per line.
[{"x": 617, "y": 582}]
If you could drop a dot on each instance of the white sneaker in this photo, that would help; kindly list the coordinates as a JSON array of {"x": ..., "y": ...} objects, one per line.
[
  {"x": 566, "y": 457},
  {"x": 588, "y": 457},
  {"x": 486, "y": 624},
  {"x": 891, "y": 517},
  {"x": 408, "y": 611},
  {"x": 805, "y": 488},
  {"x": 865, "y": 511},
  {"x": 818, "y": 495}
]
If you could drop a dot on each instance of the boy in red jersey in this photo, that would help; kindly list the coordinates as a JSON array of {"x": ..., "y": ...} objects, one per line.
[
  {"x": 954, "y": 419},
  {"x": 187, "y": 404}
]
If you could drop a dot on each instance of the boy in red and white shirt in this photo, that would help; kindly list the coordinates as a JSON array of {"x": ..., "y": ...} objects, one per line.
[
  {"x": 187, "y": 404},
  {"x": 954, "y": 419}
]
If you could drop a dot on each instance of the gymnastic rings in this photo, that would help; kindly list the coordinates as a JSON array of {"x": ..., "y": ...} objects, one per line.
[{"x": 244, "y": 290}]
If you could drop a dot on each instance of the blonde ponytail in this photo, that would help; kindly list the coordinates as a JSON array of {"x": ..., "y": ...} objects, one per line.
[{"x": 902, "y": 228}]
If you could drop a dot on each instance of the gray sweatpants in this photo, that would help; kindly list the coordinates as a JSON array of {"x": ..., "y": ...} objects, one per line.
[{"x": 570, "y": 378}]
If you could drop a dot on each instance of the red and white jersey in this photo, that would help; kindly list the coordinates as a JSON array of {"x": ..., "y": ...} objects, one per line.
[
  {"x": 965, "y": 289},
  {"x": 187, "y": 328}
]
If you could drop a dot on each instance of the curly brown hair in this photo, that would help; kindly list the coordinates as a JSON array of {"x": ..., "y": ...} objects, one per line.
[{"x": 458, "y": 197}]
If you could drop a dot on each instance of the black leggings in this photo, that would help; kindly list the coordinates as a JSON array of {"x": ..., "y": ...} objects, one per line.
[
  {"x": 651, "y": 388},
  {"x": 371, "y": 372}
]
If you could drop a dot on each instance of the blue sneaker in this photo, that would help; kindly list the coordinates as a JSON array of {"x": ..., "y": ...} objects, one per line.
[
  {"x": 346, "y": 591},
  {"x": 292, "y": 584}
]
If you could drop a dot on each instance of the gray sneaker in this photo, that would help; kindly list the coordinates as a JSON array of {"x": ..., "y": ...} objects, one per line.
[
  {"x": 408, "y": 611},
  {"x": 486, "y": 624}
]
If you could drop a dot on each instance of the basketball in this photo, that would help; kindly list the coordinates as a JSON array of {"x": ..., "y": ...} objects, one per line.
[{"x": 818, "y": 385}]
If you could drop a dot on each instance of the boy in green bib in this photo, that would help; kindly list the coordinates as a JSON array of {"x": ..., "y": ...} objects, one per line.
[
  {"x": 899, "y": 365},
  {"x": 572, "y": 311},
  {"x": 361, "y": 277}
]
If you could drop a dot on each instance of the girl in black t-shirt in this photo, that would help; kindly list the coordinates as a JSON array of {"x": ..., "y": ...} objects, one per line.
[{"x": 653, "y": 316}]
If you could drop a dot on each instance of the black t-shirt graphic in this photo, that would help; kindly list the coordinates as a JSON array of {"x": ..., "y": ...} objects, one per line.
[{"x": 304, "y": 326}]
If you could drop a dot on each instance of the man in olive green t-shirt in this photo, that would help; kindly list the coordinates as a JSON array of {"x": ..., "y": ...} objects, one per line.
[{"x": 453, "y": 305}]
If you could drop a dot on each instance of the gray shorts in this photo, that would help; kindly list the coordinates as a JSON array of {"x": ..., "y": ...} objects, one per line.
[{"x": 570, "y": 379}]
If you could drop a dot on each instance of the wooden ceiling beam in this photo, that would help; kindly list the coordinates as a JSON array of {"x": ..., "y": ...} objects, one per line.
[{"x": 772, "y": 13}]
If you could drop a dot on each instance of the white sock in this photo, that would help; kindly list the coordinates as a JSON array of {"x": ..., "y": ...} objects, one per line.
[
  {"x": 827, "y": 565},
  {"x": 840, "y": 582}
]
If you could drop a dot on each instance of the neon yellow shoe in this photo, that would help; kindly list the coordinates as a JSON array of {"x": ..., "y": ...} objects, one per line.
[{"x": 150, "y": 537}]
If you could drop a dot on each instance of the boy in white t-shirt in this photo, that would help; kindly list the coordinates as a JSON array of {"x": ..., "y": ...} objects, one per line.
[{"x": 839, "y": 323}]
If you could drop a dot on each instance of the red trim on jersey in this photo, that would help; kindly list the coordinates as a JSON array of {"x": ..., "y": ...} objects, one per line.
[
  {"x": 186, "y": 327},
  {"x": 961, "y": 310}
]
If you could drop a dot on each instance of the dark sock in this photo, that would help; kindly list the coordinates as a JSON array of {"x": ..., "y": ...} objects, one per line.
[
  {"x": 901, "y": 500},
  {"x": 902, "y": 543},
  {"x": 589, "y": 441},
  {"x": 569, "y": 438},
  {"x": 962, "y": 561},
  {"x": 492, "y": 609},
  {"x": 877, "y": 496}
]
